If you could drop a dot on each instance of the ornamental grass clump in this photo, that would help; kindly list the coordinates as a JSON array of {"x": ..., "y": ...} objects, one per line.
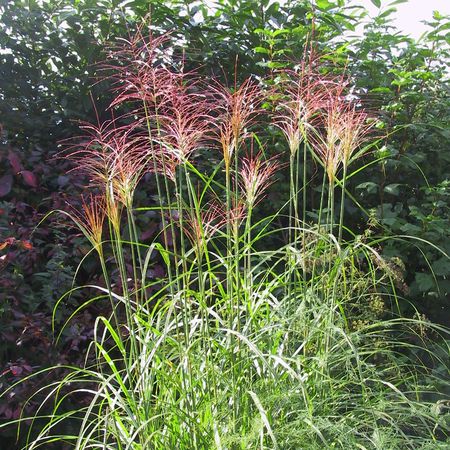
[
  {"x": 338, "y": 138},
  {"x": 246, "y": 340}
]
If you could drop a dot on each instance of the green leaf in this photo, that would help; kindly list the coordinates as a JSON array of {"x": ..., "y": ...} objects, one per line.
[
  {"x": 264, "y": 31},
  {"x": 275, "y": 65},
  {"x": 324, "y": 4},
  {"x": 410, "y": 228},
  {"x": 398, "y": 2},
  {"x": 261, "y": 50},
  {"x": 386, "y": 13},
  {"x": 369, "y": 186},
  {"x": 437, "y": 15},
  {"x": 424, "y": 281},
  {"x": 392, "y": 189},
  {"x": 377, "y": 3},
  {"x": 281, "y": 31},
  {"x": 441, "y": 267}
]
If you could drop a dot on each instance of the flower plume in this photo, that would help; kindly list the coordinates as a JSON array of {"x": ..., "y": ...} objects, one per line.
[
  {"x": 113, "y": 158},
  {"x": 303, "y": 94},
  {"x": 183, "y": 120},
  {"x": 91, "y": 218},
  {"x": 137, "y": 71},
  {"x": 341, "y": 130},
  {"x": 237, "y": 109},
  {"x": 256, "y": 175}
]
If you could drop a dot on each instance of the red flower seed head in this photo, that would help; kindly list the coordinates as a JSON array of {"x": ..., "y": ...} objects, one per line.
[
  {"x": 89, "y": 154},
  {"x": 163, "y": 162},
  {"x": 341, "y": 130},
  {"x": 237, "y": 109},
  {"x": 91, "y": 218},
  {"x": 136, "y": 69},
  {"x": 302, "y": 96},
  {"x": 355, "y": 127},
  {"x": 256, "y": 175},
  {"x": 304, "y": 91},
  {"x": 127, "y": 163},
  {"x": 183, "y": 120},
  {"x": 113, "y": 158},
  {"x": 201, "y": 227}
]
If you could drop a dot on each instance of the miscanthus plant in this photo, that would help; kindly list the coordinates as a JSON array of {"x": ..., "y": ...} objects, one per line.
[{"x": 239, "y": 344}]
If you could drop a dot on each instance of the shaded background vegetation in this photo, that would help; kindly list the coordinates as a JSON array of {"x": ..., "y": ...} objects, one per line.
[{"x": 49, "y": 54}]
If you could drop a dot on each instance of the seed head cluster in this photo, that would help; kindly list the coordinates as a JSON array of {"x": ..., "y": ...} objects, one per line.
[{"x": 170, "y": 116}]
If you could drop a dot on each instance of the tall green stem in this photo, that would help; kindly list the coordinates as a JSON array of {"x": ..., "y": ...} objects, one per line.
[
  {"x": 341, "y": 215},
  {"x": 331, "y": 204}
]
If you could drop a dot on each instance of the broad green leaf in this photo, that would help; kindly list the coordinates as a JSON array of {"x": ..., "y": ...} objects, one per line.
[
  {"x": 281, "y": 31},
  {"x": 424, "y": 281},
  {"x": 386, "y": 13},
  {"x": 324, "y": 4},
  {"x": 392, "y": 189},
  {"x": 261, "y": 50},
  {"x": 264, "y": 31},
  {"x": 275, "y": 65},
  {"x": 368, "y": 186},
  {"x": 441, "y": 267}
]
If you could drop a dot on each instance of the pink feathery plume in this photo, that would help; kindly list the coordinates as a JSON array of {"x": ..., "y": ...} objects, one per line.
[
  {"x": 137, "y": 69},
  {"x": 201, "y": 227},
  {"x": 302, "y": 94},
  {"x": 113, "y": 159},
  {"x": 91, "y": 218},
  {"x": 236, "y": 110},
  {"x": 256, "y": 175},
  {"x": 341, "y": 130},
  {"x": 183, "y": 120}
]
